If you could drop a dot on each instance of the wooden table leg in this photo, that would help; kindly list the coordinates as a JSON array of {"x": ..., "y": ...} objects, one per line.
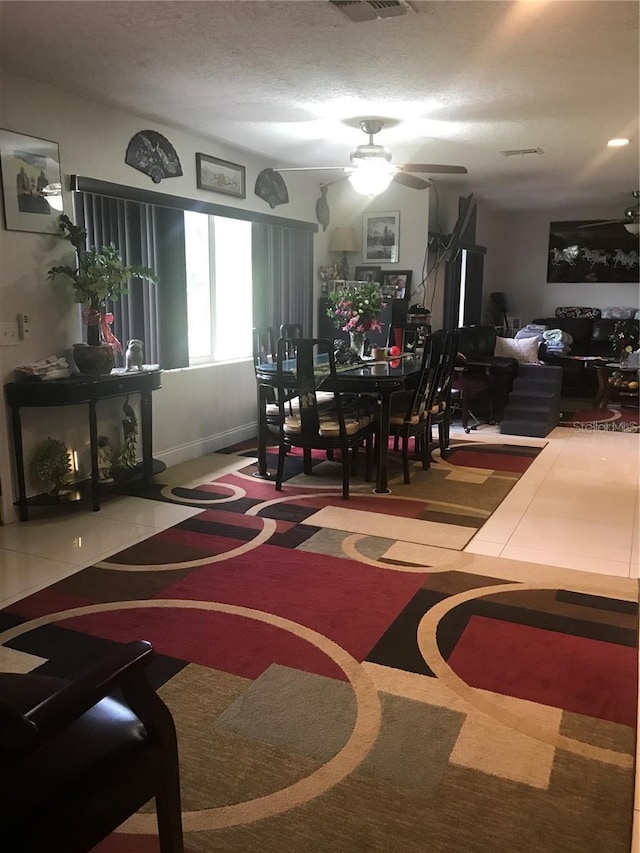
[
  {"x": 262, "y": 471},
  {"x": 383, "y": 450}
]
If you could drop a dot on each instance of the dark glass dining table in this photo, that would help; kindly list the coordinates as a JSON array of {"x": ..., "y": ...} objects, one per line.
[{"x": 380, "y": 378}]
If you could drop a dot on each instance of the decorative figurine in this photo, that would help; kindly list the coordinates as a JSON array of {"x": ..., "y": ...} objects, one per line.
[
  {"x": 133, "y": 355},
  {"x": 52, "y": 464},
  {"x": 127, "y": 457},
  {"x": 104, "y": 460}
]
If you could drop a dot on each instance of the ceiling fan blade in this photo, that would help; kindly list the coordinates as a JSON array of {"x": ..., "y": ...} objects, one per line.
[
  {"x": 312, "y": 169},
  {"x": 408, "y": 180},
  {"x": 434, "y": 168},
  {"x": 596, "y": 224}
]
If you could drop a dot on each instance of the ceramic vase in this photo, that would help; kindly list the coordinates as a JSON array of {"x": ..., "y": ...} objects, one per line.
[{"x": 356, "y": 342}]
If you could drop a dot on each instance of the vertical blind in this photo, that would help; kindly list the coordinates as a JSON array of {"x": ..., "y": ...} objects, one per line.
[{"x": 153, "y": 235}]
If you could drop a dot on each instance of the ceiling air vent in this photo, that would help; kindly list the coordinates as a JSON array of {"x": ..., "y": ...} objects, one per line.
[
  {"x": 369, "y": 10},
  {"x": 520, "y": 152}
]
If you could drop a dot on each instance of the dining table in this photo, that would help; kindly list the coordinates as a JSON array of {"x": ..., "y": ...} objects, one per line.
[{"x": 371, "y": 377}]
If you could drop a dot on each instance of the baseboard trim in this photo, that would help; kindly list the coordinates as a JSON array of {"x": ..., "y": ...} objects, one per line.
[{"x": 208, "y": 444}]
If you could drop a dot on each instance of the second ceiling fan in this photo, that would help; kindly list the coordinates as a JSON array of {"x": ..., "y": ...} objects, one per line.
[{"x": 372, "y": 171}]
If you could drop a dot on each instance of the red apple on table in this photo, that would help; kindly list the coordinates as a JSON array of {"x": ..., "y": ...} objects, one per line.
[{"x": 394, "y": 351}]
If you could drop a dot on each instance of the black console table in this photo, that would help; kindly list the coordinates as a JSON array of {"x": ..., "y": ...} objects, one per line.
[{"x": 75, "y": 391}]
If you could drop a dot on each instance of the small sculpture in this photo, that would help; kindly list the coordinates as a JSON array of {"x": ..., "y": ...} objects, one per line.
[
  {"x": 127, "y": 457},
  {"x": 133, "y": 355},
  {"x": 104, "y": 459}
]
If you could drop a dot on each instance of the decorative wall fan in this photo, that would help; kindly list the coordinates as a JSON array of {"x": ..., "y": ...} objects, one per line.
[
  {"x": 631, "y": 219},
  {"x": 372, "y": 171}
]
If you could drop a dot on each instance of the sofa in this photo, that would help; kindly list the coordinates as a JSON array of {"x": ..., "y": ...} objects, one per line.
[
  {"x": 591, "y": 337},
  {"x": 477, "y": 346}
]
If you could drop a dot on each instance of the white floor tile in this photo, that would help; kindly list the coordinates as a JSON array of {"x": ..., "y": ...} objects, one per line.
[
  {"x": 579, "y": 562},
  {"x": 150, "y": 513},
  {"x": 80, "y": 539},
  {"x": 589, "y": 538},
  {"x": 500, "y": 526},
  {"x": 489, "y": 549}
]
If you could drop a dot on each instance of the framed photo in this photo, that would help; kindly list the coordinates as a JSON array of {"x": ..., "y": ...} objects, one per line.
[
  {"x": 586, "y": 252},
  {"x": 220, "y": 176},
  {"x": 396, "y": 285},
  {"x": 31, "y": 183},
  {"x": 380, "y": 237},
  {"x": 369, "y": 274}
]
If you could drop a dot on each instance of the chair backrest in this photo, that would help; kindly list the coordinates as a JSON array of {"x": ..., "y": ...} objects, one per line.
[
  {"x": 291, "y": 330},
  {"x": 448, "y": 343},
  {"x": 264, "y": 350},
  {"x": 422, "y": 393},
  {"x": 314, "y": 364}
]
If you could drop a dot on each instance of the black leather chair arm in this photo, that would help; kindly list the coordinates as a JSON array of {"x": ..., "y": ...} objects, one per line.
[{"x": 22, "y": 729}]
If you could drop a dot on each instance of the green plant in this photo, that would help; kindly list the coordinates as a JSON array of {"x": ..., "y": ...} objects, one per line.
[
  {"x": 625, "y": 337},
  {"x": 356, "y": 308},
  {"x": 100, "y": 274},
  {"x": 51, "y": 461}
]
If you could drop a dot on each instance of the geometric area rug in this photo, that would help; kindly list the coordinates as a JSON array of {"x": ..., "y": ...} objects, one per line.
[{"x": 355, "y": 691}]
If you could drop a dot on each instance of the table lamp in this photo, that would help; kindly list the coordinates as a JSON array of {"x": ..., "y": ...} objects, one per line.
[{"x": 344, "y": 240}]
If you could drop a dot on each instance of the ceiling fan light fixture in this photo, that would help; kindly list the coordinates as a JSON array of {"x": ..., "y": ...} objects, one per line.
[
  {"x": 618, "y": 142},
  {"x": 632, "y": 227},
  {"x": 372, "y": 177}
]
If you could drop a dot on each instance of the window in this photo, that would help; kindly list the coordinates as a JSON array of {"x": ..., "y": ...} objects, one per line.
[{"x": 219, "y": 287}]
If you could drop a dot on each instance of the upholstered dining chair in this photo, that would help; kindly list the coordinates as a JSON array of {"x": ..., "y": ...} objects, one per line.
[
  {"x": 76, "y": 760},
  {"x": 440, "y": 409},
  {"x": 409, "y": 418},
  {"x": 316, "y": 426}
]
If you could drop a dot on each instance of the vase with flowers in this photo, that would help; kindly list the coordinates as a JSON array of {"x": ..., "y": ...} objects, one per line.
[
  {"x": 356, "y": 308},
  {"x": 100, "y": 275},
  {"x": 625, "y": 339}
]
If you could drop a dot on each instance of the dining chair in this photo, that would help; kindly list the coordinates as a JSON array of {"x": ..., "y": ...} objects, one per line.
[
  {"x": 77, "y": 758},
  {"x": 409, "y": 417},
  {"x": 314, "y": 426},
  {"x": 440, "y": 409}
]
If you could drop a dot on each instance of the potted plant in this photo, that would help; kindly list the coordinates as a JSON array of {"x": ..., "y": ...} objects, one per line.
[
  {"x": 100, "y": 275},
  {"x": 52, "y": 464}
]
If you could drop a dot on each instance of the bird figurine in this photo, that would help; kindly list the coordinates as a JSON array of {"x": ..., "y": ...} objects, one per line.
[{"x": 323, "y": 214}]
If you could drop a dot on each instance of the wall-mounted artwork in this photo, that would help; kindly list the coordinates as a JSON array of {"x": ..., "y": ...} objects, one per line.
[
  {"x": 270, "y": 187},
  {"x": 220, "y": 176},
  {"x": 380, "y": 237},
  {"x": 152, "y": 153},
  {"x": 31, "y": 183},
  {"x": 585, "y": 252}
]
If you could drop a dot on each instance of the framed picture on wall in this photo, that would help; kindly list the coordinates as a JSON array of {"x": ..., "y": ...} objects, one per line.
[
  {"x": 381, "y": 237},
  {"x": 220, "y": 176},
  {"x": 588, "y": 252},
  {"x": 369, "y": 274},
  {"x": 396, "y": 285},
  {"x": 31, "y": 183}
]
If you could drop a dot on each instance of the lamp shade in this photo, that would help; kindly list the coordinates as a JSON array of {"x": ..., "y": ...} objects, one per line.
[{"x": 344, "y": 240}]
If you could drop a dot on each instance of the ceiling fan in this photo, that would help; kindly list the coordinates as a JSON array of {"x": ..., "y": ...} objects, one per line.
[
  {"x": 371, "y": 170},
  {"x": 631, "y": 219}
]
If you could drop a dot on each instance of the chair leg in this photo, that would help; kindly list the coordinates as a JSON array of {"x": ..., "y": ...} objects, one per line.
[
  {"x": 425, "y": 451},
  {"x": 282, "y": 451},
  {"x": 346, "y": 464},
  {"x": 169, "y": 813},
  {"x": 306, "y": 461},
  {"x": 368, "y": 466},
  {"x": 405, "y": 459}
]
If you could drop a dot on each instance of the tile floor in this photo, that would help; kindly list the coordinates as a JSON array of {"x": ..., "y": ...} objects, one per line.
[{"x": 576, "y": 507}]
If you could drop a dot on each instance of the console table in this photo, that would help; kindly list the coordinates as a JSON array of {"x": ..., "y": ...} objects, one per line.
[{"x": 78, "y": 390}]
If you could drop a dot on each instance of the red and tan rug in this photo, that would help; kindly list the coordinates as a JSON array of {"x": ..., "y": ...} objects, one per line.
[
  {"x": 584, "y": 416},
  {"x": 341, "y": 690}
]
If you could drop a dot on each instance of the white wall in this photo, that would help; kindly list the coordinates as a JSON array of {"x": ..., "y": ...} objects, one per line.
[
  {"x": 519, "y": 253},
  {"x": 93, "y": 139}
]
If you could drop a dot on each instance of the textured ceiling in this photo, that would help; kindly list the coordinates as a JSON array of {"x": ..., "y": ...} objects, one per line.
[{"x": 459, "y": 82}]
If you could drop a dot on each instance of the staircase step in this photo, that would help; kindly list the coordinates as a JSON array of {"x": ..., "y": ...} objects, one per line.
[{"x": 519, "y": 427}]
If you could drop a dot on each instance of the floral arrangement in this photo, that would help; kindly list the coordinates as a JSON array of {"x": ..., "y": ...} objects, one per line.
[
  {"x": 625, "y": 337},
  {"x": 356, "y": 308}
]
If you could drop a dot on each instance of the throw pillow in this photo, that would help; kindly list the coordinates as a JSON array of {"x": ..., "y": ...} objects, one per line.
[
  {"x": 524, "y": 350},
  {"x": 574, "y": 311},
  {"x": 615, "y": 313}
]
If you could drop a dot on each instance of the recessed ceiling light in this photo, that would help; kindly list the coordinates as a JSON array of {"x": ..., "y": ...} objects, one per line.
[{"x": 617, "y": 143}]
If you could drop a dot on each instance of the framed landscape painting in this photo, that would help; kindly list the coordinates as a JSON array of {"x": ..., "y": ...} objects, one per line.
[
  {"x": 220, "y": 176},
  {"x": 381, "y": 237},
  {"x": 31, "y": 183},
  {"x": 586, "y": 252}
]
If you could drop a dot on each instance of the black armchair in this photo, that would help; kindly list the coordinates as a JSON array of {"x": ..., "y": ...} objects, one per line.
[{"x": 76, "y": 761}]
